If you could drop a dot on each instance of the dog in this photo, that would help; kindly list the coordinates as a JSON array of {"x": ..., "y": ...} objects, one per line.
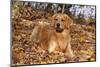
[
  {"x": 60, "y": 35},
  {"x": 54, "y": 35}
]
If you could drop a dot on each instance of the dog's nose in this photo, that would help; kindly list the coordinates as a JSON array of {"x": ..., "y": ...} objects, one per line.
[{"x": 58, "y": 24}]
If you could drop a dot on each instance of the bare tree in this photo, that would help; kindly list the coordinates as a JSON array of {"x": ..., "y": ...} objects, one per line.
[{"x": 63, "y": 8}]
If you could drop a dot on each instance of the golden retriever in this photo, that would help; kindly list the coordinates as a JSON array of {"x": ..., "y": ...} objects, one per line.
[
  {"x": 60, "y": 35},
  {"x": 54, "y": 35}
]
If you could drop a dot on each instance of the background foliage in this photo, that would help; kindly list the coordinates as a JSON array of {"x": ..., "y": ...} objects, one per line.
[{"x": 83, "y": 32}]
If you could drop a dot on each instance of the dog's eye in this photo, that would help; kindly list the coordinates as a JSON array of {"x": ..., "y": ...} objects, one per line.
[
  {"x": 56, "y": 19},
  {"x": 62, "y": 20}
]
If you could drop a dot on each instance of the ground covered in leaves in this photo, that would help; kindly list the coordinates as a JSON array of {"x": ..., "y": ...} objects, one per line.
[{"x": 24, "y": 51}]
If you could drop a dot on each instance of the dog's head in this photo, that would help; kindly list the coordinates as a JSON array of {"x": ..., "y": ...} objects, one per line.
[{"x": 61, "y": 22}]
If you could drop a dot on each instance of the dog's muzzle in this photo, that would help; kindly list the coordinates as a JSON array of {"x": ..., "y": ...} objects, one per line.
[{"x": 58, "y": 28}]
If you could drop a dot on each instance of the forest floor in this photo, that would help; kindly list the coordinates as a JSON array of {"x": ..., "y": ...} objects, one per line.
[{"x": 25, "y": 51}]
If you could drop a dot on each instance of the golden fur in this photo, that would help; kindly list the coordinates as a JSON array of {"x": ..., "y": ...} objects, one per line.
[{"x": 55, "y": 35}]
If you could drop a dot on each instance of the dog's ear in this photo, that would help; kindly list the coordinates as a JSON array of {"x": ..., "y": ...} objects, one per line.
[
  {"x": 69, "y": 21},
  {"x": 52, "y": 18}
]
